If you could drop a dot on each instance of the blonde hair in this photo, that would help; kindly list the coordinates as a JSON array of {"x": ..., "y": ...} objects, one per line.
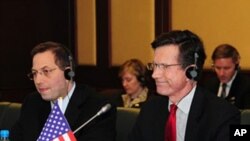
[{"x": 135, "y": 67}]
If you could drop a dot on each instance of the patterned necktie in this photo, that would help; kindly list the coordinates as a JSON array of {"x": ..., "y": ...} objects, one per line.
[
  {"x": 223, "y": 92},
  {"x": 170, "y": 128}
]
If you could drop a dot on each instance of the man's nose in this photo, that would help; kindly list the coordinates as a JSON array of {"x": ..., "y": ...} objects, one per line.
[
  {"x": 221, "y": 72},
  {"x": 156, "y": 73},
  {"x": 38, "y": 77}
]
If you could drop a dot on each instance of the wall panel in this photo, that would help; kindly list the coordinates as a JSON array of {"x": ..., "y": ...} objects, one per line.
[
  {"x": 216, "y": 22},
  {"x": 86, "y": 32},
  {"x": 25, "y": 23},
  {"x": 132, "y": 30}
]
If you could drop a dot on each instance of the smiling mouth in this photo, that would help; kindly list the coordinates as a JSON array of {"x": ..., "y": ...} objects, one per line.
[{"x": 158, "y": 82}]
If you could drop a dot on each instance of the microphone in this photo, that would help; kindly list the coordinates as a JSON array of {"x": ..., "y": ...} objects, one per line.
[{"x": 103, "y": 110}]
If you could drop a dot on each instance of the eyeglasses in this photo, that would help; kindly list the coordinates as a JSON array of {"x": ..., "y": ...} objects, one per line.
[
  {"x": 153, "y": 66},
  {"x": 45, "y": 72}
]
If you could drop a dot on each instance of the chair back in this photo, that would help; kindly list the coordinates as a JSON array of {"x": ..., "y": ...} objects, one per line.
[
  {"x": 245, "y": 116},
  {"x": 126, "y": 118},
  {"x": 9, "y": 113}
]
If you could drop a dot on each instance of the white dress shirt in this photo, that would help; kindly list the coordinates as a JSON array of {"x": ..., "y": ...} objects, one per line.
[
  {"x": 182, "y": 114},
  {"x": 228, "y": 87},
  {"x": 63, "y": 103}
]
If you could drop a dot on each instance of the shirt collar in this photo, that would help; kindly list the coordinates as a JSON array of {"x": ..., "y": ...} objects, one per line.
[
  {"x": 64, "y": 103},
  {"x": 185, "y": 104},
  {"x": 231, "y": 81}
]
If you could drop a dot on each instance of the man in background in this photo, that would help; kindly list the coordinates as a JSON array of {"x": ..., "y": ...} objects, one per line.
[{"x": 229, "y": 83}]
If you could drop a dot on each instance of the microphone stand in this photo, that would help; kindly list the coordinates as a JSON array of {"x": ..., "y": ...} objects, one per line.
[
  {"x": 85, "y": 123},
  {"x": 104, "y": 109}
]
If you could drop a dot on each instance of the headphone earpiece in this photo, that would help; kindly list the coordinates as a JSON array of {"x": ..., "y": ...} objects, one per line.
[
  {"x": 69, "y": 73},
  {"x": 142, "y": 80},
  {"x": 237, "y": 66},
  {"x": 192, "y": 71}
]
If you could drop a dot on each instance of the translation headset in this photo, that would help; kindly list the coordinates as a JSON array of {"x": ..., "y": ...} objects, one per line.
[
  {"x": 141, "y": 79},
  {"x": 140, "y": 70},
  {"x": 237, "y": 67},
  {"x": 68, "y": 72},
  {"x": 192, "y": 72}
]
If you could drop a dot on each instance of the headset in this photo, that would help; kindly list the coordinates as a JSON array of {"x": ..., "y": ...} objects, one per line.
[
  {"x": 237, "y": 66},
  {"x": 140, "y": 72},
  {"x": 141, "y": 79},
  {"x": 192, "y": 71},
  {"x": 68, "y": 72}
]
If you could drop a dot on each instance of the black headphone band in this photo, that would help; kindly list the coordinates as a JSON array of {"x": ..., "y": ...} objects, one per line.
[
  {"x": 192, "y": 71},
  {"x": 69, "y": 72}
]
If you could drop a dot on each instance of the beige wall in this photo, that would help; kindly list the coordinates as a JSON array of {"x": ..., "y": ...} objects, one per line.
[
  {"x": 216, "y": 21},
  {"x": 132, "y": 27},
  {"x": 132, "y": 30},
  {"x": 86, "y": 32}
]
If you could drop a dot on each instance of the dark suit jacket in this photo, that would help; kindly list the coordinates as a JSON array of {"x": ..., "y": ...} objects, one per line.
[
  {"x": 209, "y": 119},
  {"x": 239, "y": 93},
  {"x": 83, "y": 104}
]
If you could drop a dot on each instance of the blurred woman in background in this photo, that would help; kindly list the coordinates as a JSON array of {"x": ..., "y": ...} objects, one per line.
[{"x": 133, "y": 77}]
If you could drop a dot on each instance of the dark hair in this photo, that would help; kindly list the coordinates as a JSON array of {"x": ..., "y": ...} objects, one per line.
[
  {"x": 226, "y": 51},
  {"x": 63, "y": 56},
  {"x": 135, "y": 67},
  {"x": 188, "y": 43}
]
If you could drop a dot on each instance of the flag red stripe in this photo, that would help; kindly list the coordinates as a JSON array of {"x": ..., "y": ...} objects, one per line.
[
  {"x": 61, "y": 138},
  {"x": 71, "y": 136}
]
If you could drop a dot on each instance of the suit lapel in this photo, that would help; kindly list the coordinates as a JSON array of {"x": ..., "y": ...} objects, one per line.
[
  {"x": 194, "y": 115},
  {"x": 73, "y": 107},
  {"x": 157, "y": 113},
  {"x": 216, "y": 86},
  {"x": 43, "y": 113},
  {"x": 162, "y": 118},
  {"x": 234, "y": 87}
]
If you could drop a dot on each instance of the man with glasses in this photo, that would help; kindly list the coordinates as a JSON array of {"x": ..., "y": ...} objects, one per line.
[
  {"x": 184, "y": 110},
  {"x": 52, "y": 72},
  {"x": 229, "y": 83}
]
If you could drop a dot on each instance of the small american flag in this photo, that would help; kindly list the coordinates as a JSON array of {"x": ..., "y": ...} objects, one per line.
[{"x": 56, "y": 127}]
